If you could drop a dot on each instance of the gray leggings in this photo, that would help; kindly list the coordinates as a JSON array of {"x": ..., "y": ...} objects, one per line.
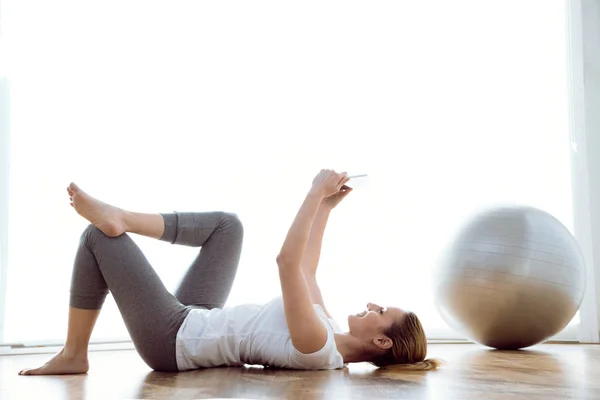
[{"x": 152, "y": 315}]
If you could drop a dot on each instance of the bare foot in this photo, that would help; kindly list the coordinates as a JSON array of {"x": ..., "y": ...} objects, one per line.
[
  {"x": 60, "y": 365},
  {"x": 109, "y": 219}
]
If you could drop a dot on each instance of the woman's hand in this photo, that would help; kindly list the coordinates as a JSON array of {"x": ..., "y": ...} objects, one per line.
[
  {"x": 335, "y": 199},
  {"x": 328, "y": 182}
]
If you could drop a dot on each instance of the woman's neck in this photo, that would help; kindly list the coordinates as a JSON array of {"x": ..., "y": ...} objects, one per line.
[{"x": 351, "y": 348}]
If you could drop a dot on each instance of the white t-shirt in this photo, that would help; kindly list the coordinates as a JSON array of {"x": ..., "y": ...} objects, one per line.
[{"x": 249, "y": 334}]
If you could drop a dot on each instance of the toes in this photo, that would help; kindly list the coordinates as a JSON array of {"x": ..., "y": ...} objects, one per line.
[
  {"x": 32, "y": 371},
  {"x": 73, "y": 187}
]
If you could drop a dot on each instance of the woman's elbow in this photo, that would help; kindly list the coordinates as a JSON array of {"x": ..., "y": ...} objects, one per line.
[
  {"x": 282, "y": 259},
  {"x": 286, "y": 262}
]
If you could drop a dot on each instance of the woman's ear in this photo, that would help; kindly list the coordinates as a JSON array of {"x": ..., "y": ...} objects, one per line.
[{"x": 383, "y": 342}]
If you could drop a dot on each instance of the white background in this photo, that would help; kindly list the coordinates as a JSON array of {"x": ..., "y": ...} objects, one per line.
[{"x": 157, "y": 106}]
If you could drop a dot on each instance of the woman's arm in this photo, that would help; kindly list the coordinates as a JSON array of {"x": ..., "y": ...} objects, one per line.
[
  {"x": 312, "y": 255},
  {"x": 306, "y": 330}
]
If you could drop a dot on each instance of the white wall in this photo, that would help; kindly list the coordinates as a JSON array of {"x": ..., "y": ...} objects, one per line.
[
  {"x": 450, "y": 86},
  {"x": 4, "y": 175},
  {"x": 584, "y": 43}
]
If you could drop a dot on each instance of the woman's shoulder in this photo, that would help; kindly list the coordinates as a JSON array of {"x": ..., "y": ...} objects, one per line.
[
  {"x": 330, "y": 323},
  {"x": 328, "y": 357}
]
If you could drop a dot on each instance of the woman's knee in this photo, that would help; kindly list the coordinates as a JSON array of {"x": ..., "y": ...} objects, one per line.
[
  {"x": 232, "y": 222},
  {"x": 90, "y": 232},
  {"x": 92, "y": 235}
]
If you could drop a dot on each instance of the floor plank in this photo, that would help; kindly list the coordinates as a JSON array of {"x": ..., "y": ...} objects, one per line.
[{"x": 549, "y": 371}]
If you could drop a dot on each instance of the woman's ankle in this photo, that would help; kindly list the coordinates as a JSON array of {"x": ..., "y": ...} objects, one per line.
[
  {"x": 150, "y": 225},
  {"x": 74, "y": 353},
  {"x": 129, "y": 221}
]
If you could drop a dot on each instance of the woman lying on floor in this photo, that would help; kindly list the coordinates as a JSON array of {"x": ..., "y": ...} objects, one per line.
[{"x": 193, "y": 328}]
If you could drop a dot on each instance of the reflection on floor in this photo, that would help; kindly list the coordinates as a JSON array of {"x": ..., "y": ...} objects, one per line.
[{"x": 549, "y": 371}]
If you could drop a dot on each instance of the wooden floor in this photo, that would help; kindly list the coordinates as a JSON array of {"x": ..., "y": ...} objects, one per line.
[{"x": 550, "y": 371}]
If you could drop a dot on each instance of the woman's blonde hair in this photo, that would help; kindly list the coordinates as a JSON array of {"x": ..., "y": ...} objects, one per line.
[{"x": 409, "y": 347}]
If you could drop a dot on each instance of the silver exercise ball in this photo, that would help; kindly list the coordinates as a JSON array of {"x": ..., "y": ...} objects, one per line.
[{"x": 512, "y": 277}]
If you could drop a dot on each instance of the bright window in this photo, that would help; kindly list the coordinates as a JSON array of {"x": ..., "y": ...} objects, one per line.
[{"x": 191, "y": 106}]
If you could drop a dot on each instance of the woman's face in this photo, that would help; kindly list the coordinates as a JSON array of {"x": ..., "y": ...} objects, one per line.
[{"x": 372, "y": 322}]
